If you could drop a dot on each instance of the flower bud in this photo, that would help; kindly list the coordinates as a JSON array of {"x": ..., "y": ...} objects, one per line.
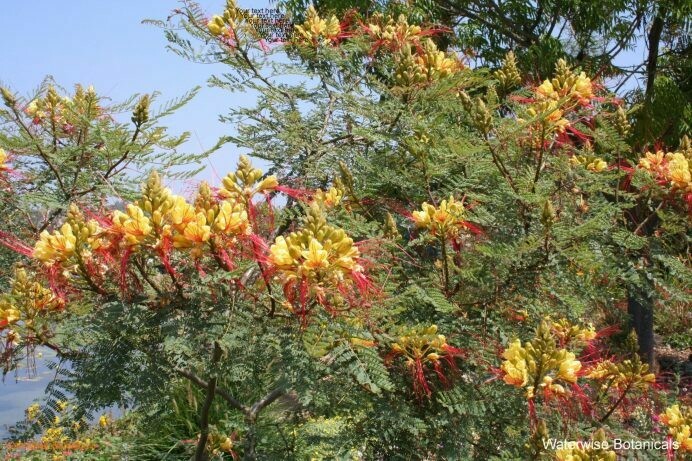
[
  {"x": 141, "y": 113},
  {"x": 8, "y": 97}
]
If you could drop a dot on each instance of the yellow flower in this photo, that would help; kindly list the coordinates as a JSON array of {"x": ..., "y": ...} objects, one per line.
[
  {"x": 61, "y": 405},
  {"x": 216, "y": 25},
  {"x": 134, "y": 226},
  {"x": 104, "y": 421},
  {"x": 315, "y": 28},
  {"x": 679, "y": 170},
  {"x": 330, "y": 198},
  {"x": 242, "y": 186},
  {"x": 597, "y": 165},
  {"x": 514, "y": 366},
  {"x": 56, "y": 247},
  {"x": 226, "y": 445},
  {"x": 8, "y": 314},
  {"x": 673, "y": 416},
  {"x": 652, "y": 162},
  {"x": 33, "y": 411},
  {"x": 569, "y": 368},
  {"x": 393, "y": 34},
  {"x": 269, "y": 183},
  {"x": 279, "y": 254},
  {"x": 540, "y": 362},
  {"x": 583, "y": 88},
  {"x": 317, "y": 252},
  {"x": 194, "y": 235},
  {"x": 53, "y": 435},
  {"x": 232, "y": 219},
  {"x": 546, "y": 90},
  {"x": 445, "y": 221},
  {"x": 315, "y": 256},
  {"x": 34, "y": 109},
  {"x": 3, "y": 160},
  {"x": 679, "y": 422},
  {"x": 181, "y": 213},
  {"x": 551, "y": 116},
  {"x": 423, "y": 217},
  {"x": 630, "y": 374}
]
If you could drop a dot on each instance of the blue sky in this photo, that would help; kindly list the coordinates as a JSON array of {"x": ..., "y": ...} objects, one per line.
[{"x": 103, "y": 43}]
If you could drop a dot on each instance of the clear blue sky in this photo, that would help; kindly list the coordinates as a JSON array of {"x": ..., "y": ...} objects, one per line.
[{"x": 103, "y": 43}]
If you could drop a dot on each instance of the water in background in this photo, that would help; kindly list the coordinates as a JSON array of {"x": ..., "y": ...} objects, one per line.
[{"x": 19, "y": 391}]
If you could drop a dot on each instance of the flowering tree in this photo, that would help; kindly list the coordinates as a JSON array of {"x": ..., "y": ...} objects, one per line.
[
  {"x": 59, "y": 147},
  {"x": 445, "y": 277}
]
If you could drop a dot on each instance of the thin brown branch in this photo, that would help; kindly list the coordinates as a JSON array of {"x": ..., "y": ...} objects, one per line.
[{"x": 200, "y": 454}]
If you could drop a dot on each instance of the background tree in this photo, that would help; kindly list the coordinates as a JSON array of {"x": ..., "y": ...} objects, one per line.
[
  {"x": 587, "y": 34},
  {"x": 61, "y": 148}
]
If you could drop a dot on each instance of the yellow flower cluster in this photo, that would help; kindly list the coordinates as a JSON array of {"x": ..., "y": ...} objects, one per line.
[
  {"x": 539, "y": 363},
  {"x": 220, "y": 443},
  {"x": 132, "y": 225},
  {"x": 26, "y": 301},
  {"x": 54, "y": 435},
  {"x": 679, "y": 422},
  {"x": 62, "y": 110},
  {"x": 32, "y": 296},
  {"x": 318, "y": 252},
  {"x": 568, "y": 333},
  {"x": 158, "y": 216},
  {"x": 444, "y": 221},
  {"x": 244, "y": 184},
  {"x": 628, "y": 374},
  {"x": 329, "y": 198},
  {"x": 551, "y": 116},
  {"x": 9, "y": 315},
  {"x": 595, "y": 164},
  {"x": 555, "y": 97},
  {"x": 105, "y": 420},
  {"x": 33, "y": 411},
  {"x": 73, "y": 240},
  {"x": 425, "y": 63},
  {"x": 672, "y": 167},
  {"x": 233, "y": 21},
  {"x": 394, "y": 34},
  {"x": 316, "y": 29},
  {"x": 508, "y": 76},
  {"x": 566, "y": 84},
  {"x": 422, "y": 344}
]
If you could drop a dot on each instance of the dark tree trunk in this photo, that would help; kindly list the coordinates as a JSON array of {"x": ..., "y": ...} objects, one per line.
[
  {"x": 652, "y": 59},
  {"x": 640, "y": 307}
]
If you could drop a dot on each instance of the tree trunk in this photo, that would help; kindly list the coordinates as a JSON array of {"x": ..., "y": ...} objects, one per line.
[
  {"x": 250, "y": 444},
  {"x": 640, "y": 307},
  {"x": 652, "y": 59}
]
